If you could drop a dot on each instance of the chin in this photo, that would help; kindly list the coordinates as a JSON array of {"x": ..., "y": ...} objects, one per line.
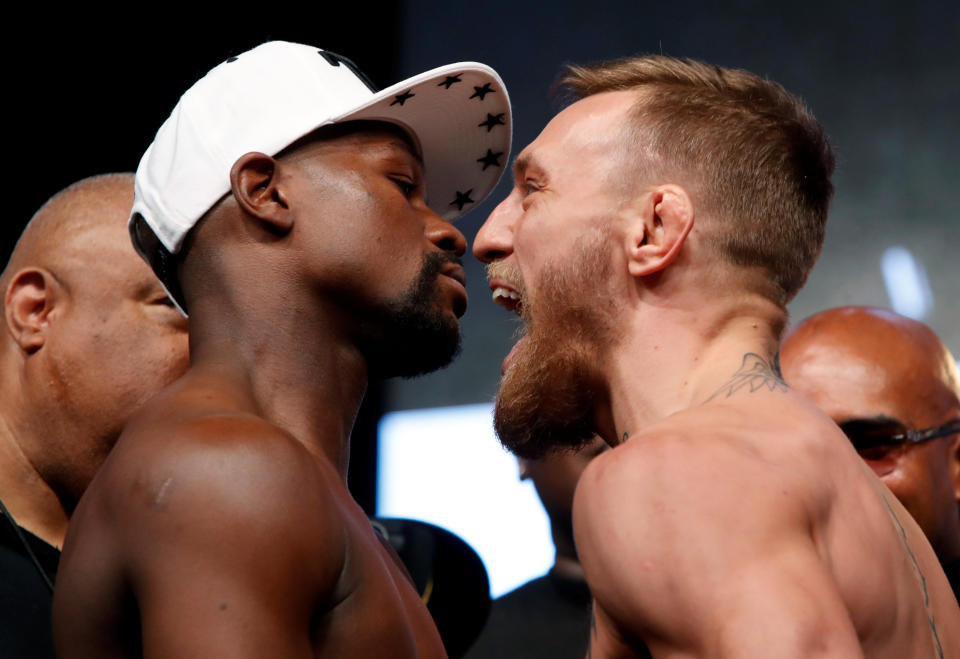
[
  {"x": 548, "y": 395},
  {"x": 413, "y": 347},
  {"x": 415, "y": 334},
  {"x": 547, "y": 400}
]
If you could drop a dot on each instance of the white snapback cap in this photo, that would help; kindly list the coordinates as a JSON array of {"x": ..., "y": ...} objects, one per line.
[{"x": 269, "y": 97}]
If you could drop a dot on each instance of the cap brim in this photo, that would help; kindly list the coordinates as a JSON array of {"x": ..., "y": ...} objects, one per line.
[{"x": 459, "y": 115}]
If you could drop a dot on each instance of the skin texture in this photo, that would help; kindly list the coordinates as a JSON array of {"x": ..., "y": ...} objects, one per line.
[
  {"x": 90, "y": 337},
  {"x": 864, "y": 363},
  {"x": 222, "y": 525},
  {"x": 732, "y": 518}
]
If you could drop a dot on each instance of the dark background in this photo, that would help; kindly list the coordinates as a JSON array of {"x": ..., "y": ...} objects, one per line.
[{"x": 85, "y": 93}]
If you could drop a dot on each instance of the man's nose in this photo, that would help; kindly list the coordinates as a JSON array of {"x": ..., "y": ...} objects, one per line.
[
  {"x": 494, "y": 241},
  {"x": 446, "y": 236}
]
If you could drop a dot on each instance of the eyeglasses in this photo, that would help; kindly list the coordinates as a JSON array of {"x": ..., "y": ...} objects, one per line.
[{"x": 884, "y": 439}]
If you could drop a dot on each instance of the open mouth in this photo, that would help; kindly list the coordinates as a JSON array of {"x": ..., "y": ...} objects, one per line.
[
  {"x": 508, "y": 291},
  {"x": 507, "y": 297},
  {"x": 506, "y": 286}
]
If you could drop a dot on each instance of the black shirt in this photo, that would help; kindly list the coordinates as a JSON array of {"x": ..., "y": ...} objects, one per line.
[
  {"x": 546, "y": 617},
  {"x": 25, "y": 599}
]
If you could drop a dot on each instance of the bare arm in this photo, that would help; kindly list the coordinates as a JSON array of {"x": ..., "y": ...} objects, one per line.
[
  {"x": 223, "y": 542},
  {"x": 702, "y": 551}
]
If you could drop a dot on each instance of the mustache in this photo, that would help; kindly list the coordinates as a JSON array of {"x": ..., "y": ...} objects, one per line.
[
  {"x": 506, "y": 272},
  {"x": 434, "y": 262}
]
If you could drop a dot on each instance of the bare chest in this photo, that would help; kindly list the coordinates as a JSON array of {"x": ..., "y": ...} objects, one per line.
[{"x": 376, "y": 612}]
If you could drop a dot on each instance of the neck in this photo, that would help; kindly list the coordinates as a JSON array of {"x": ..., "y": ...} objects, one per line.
[
  {"x": 295, "y": 370},
  {"x": 674, "y": 358},
  {"x": 27, "y": 496}
]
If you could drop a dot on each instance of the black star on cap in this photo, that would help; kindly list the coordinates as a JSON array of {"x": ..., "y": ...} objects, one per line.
[
  {"x": 463, "y": 198},
  {"x": 481, "y": 92},
  {"x": 490, "y": 160},
  {"x": 231, "y": 59},
  {"x": 449, "y": 81},
  {"x": 403, "y": 98},
  {"x": 492, "y": 120}
]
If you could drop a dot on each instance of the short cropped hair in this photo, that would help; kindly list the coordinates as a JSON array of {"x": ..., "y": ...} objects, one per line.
[{"x": 761, "y": 160}]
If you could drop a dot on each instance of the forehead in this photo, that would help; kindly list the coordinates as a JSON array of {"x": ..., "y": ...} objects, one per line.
[
  {"x": 848, "y": 381},
  {"x": 100, "y": 256},
  {"x": 591, "y": 127},
  {"x": 357, "y": 137}
]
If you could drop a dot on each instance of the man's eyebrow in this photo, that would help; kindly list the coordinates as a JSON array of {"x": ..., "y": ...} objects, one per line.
[
  {"x": 400, "y": 144},
  {"x": 522, "y": 163}
]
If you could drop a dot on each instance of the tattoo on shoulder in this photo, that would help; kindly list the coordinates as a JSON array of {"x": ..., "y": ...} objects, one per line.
[
  {"x": 624, "y": 437},
  {"x": 938, "y": 647},
  {"x": 755, "y": 373}
]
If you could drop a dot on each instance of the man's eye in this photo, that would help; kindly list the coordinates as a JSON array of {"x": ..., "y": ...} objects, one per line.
[{"x": 406, "y": 187}]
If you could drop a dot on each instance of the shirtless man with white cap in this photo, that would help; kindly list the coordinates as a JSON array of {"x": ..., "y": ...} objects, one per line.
[{"x": 303, "y": 220}]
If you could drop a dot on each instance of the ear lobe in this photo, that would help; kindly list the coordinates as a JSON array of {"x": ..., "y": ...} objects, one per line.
[
  {"x": 30, "y": 299},
  {"x": 655, "y": 239},
  {"x": 255, "y": 186}
]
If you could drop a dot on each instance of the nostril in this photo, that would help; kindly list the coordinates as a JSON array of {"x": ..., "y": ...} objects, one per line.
[
  {"x": 490, "y": 255},
  {"x": 449, "y": 245}
]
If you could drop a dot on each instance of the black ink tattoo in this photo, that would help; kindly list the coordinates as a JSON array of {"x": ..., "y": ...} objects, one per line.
[
  {"x": 754, "y": 373},
  {"x": 923, "y": 580},
  {"x": 776, "y": 365},
  {"x": 624, "y": 437}
]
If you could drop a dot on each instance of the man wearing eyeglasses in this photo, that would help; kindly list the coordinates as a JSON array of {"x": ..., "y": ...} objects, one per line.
[{"x": 893, "y": 388}]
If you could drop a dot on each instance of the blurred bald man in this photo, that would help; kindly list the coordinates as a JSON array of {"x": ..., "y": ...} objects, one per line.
[
  {"x": 90, "y": 336},
  {"x": 893, "y": 388},
  {"x": 550, "y": 615}
]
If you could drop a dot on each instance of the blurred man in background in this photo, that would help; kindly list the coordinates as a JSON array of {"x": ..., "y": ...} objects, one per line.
[
  {"x": 892, "y": 386},
  {"x": 90, "y": 335},
  {"x": 549, "y": 616}
]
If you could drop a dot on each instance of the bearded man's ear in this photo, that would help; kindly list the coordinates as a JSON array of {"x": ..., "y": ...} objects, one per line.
[{"x": 661, "y": 224}]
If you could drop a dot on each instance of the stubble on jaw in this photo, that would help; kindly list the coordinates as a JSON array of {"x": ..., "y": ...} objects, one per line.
[
  {"x": 548, "y": 396},
  {"x": 411, "y": 336}
]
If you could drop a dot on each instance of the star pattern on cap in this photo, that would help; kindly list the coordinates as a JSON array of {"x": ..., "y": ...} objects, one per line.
[
  {"x": 463, "y": 198},
  {"x": 491, "y": 159},
  {"x": 481, "y": 92},
  {"x": 403, "y": 98},
  {"x": 449, "y": 81},
  {"x": 231, "y": 59},
  {"x": 492, "y": 120}
]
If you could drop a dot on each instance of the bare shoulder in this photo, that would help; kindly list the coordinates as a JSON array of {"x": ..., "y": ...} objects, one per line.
[
  {"x": 683, "y": 522},
  {"x": 690, "y": 468},
  {"x": 207, "y": 481}
]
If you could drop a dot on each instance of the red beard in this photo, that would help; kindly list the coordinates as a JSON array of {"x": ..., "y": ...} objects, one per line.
[{"x": 548, "y": 396}]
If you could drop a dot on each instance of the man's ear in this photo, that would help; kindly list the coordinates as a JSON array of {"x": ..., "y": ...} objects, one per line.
[
  {"x": 663, "y": 221},
  {"x": 254, "y": 182},
  {"x": 31, "y": 297}
]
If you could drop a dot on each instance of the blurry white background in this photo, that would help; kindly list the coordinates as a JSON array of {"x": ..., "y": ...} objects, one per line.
[{"x": 445, "y": 466}]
